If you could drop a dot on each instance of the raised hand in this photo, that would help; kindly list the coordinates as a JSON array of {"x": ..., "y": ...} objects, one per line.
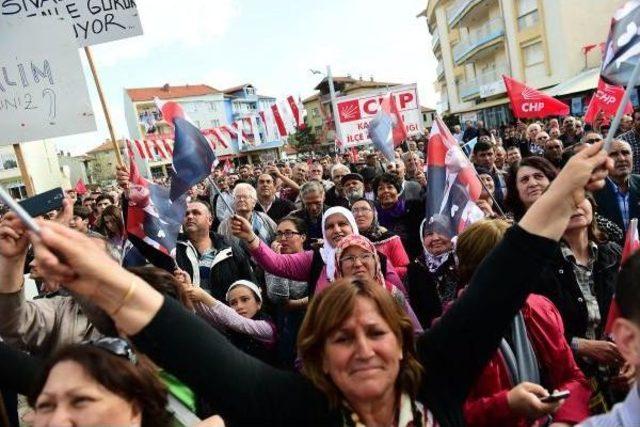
[
  {"x": 241, "y": 228},
  {"x": 13, "y": 237},
  {"x": 122, "y": 177}
]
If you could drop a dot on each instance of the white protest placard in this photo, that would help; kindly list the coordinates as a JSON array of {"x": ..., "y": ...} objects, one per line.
[
  {"x": 355, "y": 112},
  {"x": 91, "y": 21},
  {"x": 43, "y": 93}
]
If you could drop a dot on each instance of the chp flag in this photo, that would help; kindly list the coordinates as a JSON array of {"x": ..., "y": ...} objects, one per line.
[
  {"x": 528, "y": 103},
  {"x": 606, "y": 99},
  {"x": 622, "y": 48},
  {"x": 356, "y": 112},
  {"x": 452, "y": 184}
]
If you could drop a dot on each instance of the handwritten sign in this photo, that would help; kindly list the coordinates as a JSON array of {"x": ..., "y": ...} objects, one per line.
[
  {"x": 43, "y": 93},
  {"x": 93, "y": 21},
  {"x": 355, "y": 112}
]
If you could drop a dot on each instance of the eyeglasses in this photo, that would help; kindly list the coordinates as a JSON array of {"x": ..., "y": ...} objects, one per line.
[
  {"x": 593, "y": 140},
  {"x": 351, "y": 259},
  {"x": 116, "y": 346},
  {"x": 286, "y": 234},
  {"x": 357, "y": 211},
  {"x": 242, "y": 197}
]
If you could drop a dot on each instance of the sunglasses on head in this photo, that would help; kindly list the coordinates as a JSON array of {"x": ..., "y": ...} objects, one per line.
[{"x": 116, "y": 346}]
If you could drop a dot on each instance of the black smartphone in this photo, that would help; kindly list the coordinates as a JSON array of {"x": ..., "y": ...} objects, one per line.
[
  {"x": 556, "y": 396},
  {"x": 42, "y": 203}
]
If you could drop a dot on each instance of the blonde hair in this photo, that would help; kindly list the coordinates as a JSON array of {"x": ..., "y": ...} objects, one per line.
[
  {"x": 328, "y": 311},
  {"x": 475, "y": 243}
]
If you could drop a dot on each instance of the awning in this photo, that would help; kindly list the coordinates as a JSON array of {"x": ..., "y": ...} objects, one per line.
[{"x": 587, "y": 80}]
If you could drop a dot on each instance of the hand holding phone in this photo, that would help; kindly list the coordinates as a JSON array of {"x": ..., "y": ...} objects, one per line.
[{"x": 556, "y": 396}]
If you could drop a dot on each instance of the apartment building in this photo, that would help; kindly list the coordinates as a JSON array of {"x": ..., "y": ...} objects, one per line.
[{"x": 551, "y": 45}]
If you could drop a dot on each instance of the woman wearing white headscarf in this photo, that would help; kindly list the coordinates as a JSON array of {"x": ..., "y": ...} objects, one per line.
[{"x": 314, "y": 266}]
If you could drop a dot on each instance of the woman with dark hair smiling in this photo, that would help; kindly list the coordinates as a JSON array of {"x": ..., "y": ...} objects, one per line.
[{"x": 398, "y": 215}]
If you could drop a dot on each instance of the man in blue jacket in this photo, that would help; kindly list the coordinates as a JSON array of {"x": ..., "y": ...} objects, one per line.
[{"x": 619, "y": 200}]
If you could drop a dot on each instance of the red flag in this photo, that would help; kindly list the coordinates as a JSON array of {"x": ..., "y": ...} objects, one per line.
[
  {"x": 80, "y": 187},
  {"x": 607, "y": 98},
  {"x": 140, "y": 149},
  {"x": 282, "y": 129},
  {"x": 528, "y": 103},
  {"x": 295, "y": 110},
  {"x": 631, "y": 245},
  {"x": 588, "y": 48}
]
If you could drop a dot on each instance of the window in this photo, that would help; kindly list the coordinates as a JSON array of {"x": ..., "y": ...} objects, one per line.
[
  {"x": 192, "y": 107},
  {"x": 533, "y": 54},
  {"x": 18, "y": 191},
  {"x": 533, "y": 57},
  {"x": 315, "y": 112},
  {"x": 251, "y": 91},
  {"x": 8, "y": 161},
  {"x": 528, "y": 15},
  {"x": 213, "y": 106},
  {"x": 215, "y": 123}
]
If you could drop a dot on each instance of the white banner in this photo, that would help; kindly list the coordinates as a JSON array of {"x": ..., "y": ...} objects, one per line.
[
  {"x": 356, "y": 111},
  {"x": 92, "y": 21},
  {"x": 43, "y": 93}
]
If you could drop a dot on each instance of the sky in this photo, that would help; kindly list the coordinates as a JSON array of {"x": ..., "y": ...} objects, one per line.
[{"x": 273, "y": 45}]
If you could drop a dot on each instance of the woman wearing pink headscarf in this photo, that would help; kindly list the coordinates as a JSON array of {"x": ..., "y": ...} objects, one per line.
[{"x": 357, "y": 257}]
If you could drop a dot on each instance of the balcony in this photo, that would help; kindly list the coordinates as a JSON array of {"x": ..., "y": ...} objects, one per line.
[
  {"x": 440, "y": 70},
  {"x": 468, "y": 89},
  {"x": 459, "y": 9},
  {"x": 478, "y": 39},
  {"x": 491, "y": 83}
]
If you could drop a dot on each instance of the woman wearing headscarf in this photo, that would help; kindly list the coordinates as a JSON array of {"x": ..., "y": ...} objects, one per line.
[
  {"x": 432, "y": 280},
  {"x": 386, "y": 242},
  {"x": 317, "y": 266},
  {"x": 356, "y": 256}
]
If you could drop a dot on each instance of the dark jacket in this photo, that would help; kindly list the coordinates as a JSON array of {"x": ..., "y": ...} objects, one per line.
[
  {"x": 406, "y": 225},
  {"x": 278, "y": 210},
  {"x": 424, "y": 288},
  {"x": 334, "y": 199},
  {"x": 454, "y": 352},
  {"x": 231, "y": 264},
  {"x": 608, "y": 201},
  {"x": 558, "y": 283},
  {"x": 313, "y": 225}
]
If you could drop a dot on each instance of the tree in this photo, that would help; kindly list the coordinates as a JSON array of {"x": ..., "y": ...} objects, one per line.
[{"x": 303, "y": 139}]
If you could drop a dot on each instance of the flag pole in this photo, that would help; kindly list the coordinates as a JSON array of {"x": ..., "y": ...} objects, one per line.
[
  {"x": 219, "y": 193},
  {"x": 105, "y": 108},
  {"x": 334, "y": 104},
  {"x": 625, "y": 99}
]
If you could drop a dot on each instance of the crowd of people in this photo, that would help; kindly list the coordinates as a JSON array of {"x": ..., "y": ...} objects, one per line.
[{"x": 315, "y": 292}]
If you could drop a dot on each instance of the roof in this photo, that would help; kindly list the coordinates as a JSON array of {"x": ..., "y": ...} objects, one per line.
[
  {"x": 105, "y": 146},
  {"x": 587, "y": 80},
  {"x": 235, "y": 88},
  {"x": 427, "y": 109},
  {"x": 350, "y": 84},
  {"x": 169, "y": 92}
]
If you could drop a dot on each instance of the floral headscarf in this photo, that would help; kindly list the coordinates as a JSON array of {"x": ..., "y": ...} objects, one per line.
[
  {"x": 365, "y": 244},
  {"x": 327, "y": 252}
]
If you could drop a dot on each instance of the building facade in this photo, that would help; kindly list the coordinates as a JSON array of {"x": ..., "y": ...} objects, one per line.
[
  {"x": 41, "y": 168},
  {"x": 204, "y": 105},
  {"x": 242, "y": 106},
  {"x": 540, "y": 42}
]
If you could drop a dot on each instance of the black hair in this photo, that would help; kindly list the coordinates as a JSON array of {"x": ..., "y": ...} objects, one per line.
[
  {"x": 628, "y": 288},
  {"x": 301, "y": 226},
  {"x": 81, "y": 211},
  {"x": 387, "y": 178},
  {"x": 512, "y": 200},
  {"x": 482, "y": 146},
  {"x": 104, "y": 196}
]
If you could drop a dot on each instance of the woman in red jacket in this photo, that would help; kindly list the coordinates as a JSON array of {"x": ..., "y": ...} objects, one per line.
[{"x": 533, "y": 354}]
